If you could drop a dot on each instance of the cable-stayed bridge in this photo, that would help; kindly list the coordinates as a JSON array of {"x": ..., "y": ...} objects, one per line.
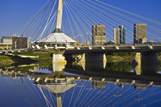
[
  {"x": 58, "y": 20},
  {"x": 55, "y": 28},
  {"x": 79, "y": 16}
]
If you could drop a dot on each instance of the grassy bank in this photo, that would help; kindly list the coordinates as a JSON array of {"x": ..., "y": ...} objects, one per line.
[
  {"x": 124, "y": 56},
  {"x": 5, "y": 61},
  {"x": 9, "y": 61},
  {"x": 44, "y": 59},
  {"x": 42, "y": 56},
  {"x": 120, "y": 56}
]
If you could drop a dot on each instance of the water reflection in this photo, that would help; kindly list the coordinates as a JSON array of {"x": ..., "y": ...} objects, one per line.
[
  {"x": 113, "y": 85},
  {"x": 57, "y": 83}
]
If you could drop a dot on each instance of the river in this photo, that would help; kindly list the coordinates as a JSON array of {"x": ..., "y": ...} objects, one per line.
[{"x": 80, "y": 85}]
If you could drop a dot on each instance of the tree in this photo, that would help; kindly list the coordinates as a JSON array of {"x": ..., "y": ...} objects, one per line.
[{"x": 110, "y": 43}]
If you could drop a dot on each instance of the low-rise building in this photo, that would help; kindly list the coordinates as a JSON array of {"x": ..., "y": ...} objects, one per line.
[
  {"x": 5, "y": 46},
  {"x": 14, "y": 42},
  {"x": 6, "y": 39}
]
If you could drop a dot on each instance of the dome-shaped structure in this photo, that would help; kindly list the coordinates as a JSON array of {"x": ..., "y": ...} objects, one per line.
[{"x": 57, "y": 38}]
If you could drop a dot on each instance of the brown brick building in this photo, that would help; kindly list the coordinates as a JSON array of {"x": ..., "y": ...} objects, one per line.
[
  {"x": 140, "y": 33},
  {"x": 98, "y": 35}
]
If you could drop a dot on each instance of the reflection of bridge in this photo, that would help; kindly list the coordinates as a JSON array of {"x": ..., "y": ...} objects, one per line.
[
  {"x": 57, "y": 40},
  {"x": 114, "y": 77},
  {"x": 58, "y": 82}
]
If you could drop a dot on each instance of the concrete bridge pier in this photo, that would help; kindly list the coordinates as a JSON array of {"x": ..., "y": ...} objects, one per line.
[
  {"x": 90, "y": 61},
  {"x": 95, "y": 61},
  {"x": 58, "y": 58},
  {"x": 149, "y": 62},
  {"x": 145, "y": 63}
]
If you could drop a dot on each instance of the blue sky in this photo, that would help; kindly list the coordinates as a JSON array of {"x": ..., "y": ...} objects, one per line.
[{"x": 15, "y": 13}]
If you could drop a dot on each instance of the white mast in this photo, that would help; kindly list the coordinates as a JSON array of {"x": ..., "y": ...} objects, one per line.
[{"x": 59, "y": 16}]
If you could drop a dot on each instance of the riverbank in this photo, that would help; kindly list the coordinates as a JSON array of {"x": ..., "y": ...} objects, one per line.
[
  {"x": 124, "y": 56},
  {"x": 5, "y": 61},
  {"x": 10, "y": 60},
  {"x": 119, "y": 58},
  {"x": 45, "y": 59}
]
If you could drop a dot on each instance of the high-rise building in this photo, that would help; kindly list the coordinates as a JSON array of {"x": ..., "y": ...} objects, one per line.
[
  {"x": 119, "y": 35},
  {"x": 122, "y": 34},
  {"x": 140, "y": 33},
  {"x": 116, "y": 35},
  {"x": 98, "y": 35}
]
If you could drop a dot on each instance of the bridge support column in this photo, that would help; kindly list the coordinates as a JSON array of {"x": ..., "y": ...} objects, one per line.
[
  {"x": 95, "y": 57},
  {"x": 149, "y": 62},
  {"x": 58, "y": 58},
  {"x": 95, "y": 61},
  {"x": 137, "y": 63},
  {"x": 145, "y": 63}
]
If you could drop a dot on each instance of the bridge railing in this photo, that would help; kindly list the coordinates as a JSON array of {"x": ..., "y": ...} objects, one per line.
[{"x": 153, "y": 44}]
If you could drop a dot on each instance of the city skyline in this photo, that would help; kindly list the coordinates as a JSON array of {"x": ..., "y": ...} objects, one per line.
[{"x": 15, "y": 13}]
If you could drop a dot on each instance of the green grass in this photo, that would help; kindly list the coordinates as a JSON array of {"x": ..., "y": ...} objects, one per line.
[
  {"x": 2, "y": 57},
  {"x": 44, "y": 60},
  {"x": 42, "y": 56},
  {"x": 5, "y": 61}
]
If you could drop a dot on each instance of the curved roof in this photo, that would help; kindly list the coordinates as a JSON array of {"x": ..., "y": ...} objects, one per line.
[
  {"x": 58, "y": 88},
  {"x": 57, "y": 37}
]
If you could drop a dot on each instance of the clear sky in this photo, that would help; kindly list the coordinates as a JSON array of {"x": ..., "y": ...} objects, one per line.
[{"x": 15, "y": 13}]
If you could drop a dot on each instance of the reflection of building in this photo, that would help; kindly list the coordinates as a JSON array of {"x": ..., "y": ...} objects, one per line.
[
  {"x": 140, "y": 86},
  {"x": 119, "y": 35},
  {"x": 98, "y": 34},
  {"x": 98, "y": 84},
  {"x": 140, "y": 33}
]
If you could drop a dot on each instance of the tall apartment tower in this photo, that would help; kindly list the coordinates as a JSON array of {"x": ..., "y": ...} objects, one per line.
[
  {"x": 140, "y": 33},
  {"x": 122, "y": 34},
  {"x": 119, "y": 35},
  {"x": 116, "y": 34},
  {"x": 98, "y": 35}
]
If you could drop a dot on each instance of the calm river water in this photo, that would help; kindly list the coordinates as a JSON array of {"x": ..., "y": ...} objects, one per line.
[{"x": 116, "y": 84}]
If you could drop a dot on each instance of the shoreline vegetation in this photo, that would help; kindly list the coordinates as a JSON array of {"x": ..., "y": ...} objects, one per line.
[{"x": 45, "y": 59}]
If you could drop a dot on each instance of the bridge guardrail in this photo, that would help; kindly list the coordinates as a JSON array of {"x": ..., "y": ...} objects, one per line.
[{"x": 155, "y": 44}]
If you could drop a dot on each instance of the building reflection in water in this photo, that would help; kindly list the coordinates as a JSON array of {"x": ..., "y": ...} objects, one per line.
[{"x": 95, "y": 87}]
